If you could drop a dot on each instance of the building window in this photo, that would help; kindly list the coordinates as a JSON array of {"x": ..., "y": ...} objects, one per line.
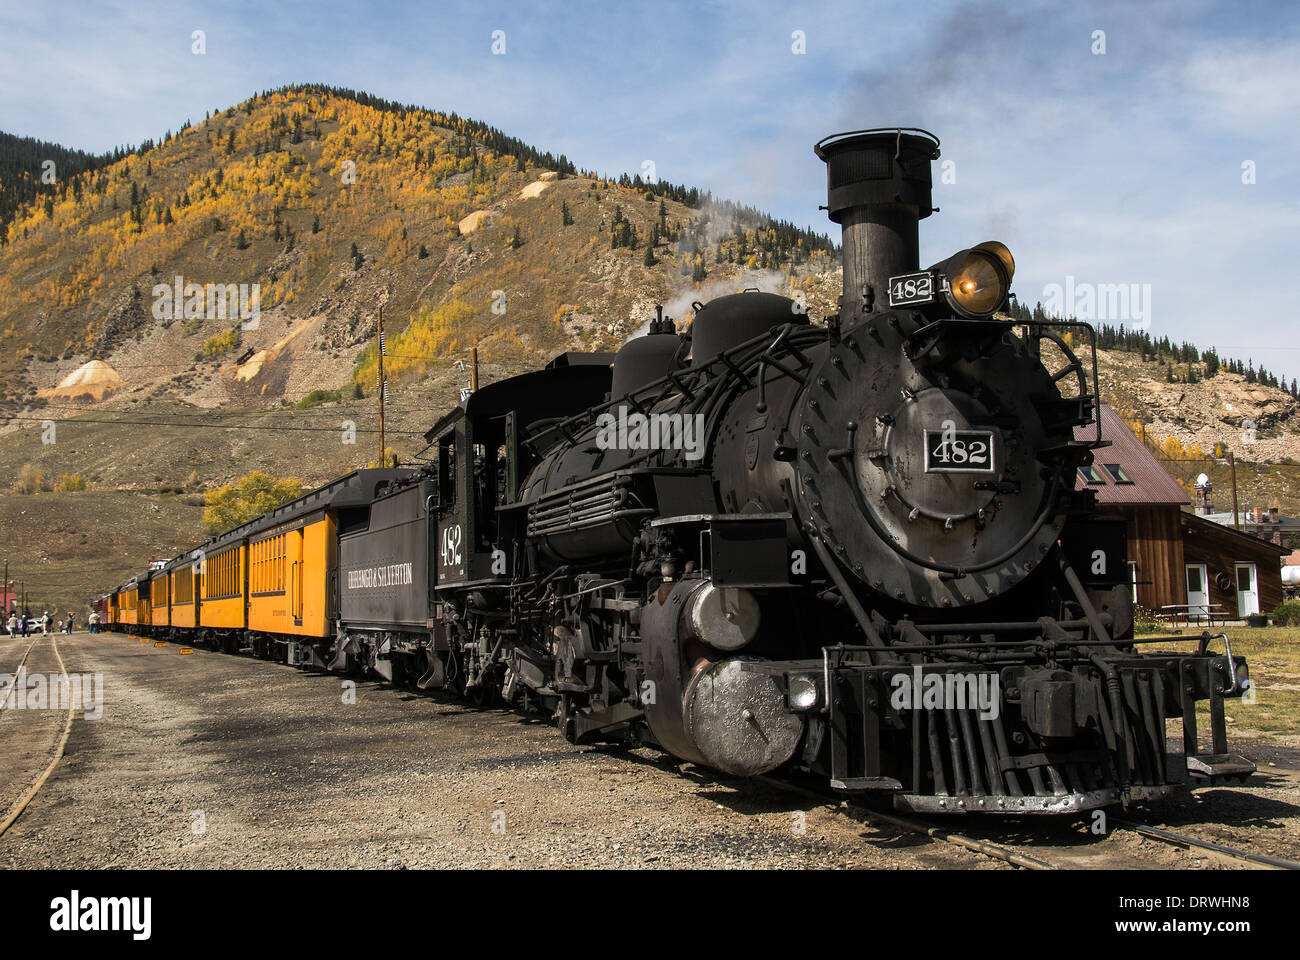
[
  {"x": 1091, "y": 475},
  {"x": 1117, "y": 473},
  {"x": 1133, "y": 578}
]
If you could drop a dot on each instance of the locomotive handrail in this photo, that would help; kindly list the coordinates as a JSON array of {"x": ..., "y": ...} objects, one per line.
[
  {"x": 1041, "y": 330},
  {"x": 661, "y": 389}
]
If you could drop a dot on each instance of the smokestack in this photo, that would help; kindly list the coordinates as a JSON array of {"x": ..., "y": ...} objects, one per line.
[{"x": 878, "y": 188}]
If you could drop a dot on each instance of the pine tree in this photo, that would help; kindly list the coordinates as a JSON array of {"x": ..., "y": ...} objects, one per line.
[
  {"x": 241, "y": 243},
  {"x": 565, "y": 218},
  {"x": 315, "y": 224},
  {"x": 516, "y": 241},
  {"x": 649, "y": 259}
]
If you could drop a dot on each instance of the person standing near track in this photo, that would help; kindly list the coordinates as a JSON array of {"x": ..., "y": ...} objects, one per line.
[
  {"x": 46, "y": 622},
  {"x": 13, "y": 624}
]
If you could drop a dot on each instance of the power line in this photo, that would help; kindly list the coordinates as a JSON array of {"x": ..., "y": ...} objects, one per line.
[
  {"x": 313, "y": 411},
  {"x": 208, "y": 426}
]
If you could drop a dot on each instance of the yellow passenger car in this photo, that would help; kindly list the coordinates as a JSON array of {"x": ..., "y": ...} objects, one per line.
[
  {"x": 143, "y": 605},
  {"x": 128, "y": 605},
  {"x": 182, "y": 577},
  {"x": 222, "y": 594},
  {"x": 159, "y": 601},
  {"x": 289, "y": 570},
  {"x": 114, "y": 615}
]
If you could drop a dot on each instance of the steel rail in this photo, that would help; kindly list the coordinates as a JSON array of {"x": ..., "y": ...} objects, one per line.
[{"x": 1183, "y": 840}]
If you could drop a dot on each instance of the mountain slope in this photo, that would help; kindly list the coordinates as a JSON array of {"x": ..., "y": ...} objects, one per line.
[{"x": 334, "y": 206}]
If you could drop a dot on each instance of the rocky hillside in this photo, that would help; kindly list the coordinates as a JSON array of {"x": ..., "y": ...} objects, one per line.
[{"x": 1257, "y": 422}]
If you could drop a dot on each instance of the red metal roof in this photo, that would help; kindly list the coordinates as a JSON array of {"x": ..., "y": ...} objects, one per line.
[{"x": 1151, "y": 483}]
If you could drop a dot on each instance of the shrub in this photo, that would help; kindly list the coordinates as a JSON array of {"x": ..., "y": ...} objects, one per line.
[
  {"x": 317, "y": 397},
  {"x": 30, "y": 479},
  {"x": 1287, "y": 614},
  {"x": 1144, "y": 620},
  {"x": 219, "y": 345},
  {"x": 251, "y": 496},
  {"x": 69, "y": 482}
]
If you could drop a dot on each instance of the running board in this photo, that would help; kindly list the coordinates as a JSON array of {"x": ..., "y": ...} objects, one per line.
[{"x": 1219, "y": 766}]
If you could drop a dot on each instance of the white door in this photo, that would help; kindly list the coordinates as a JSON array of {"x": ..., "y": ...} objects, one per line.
[
  {"x": 1247, "y": 590},
  {"x": 1198, "y": 592}
]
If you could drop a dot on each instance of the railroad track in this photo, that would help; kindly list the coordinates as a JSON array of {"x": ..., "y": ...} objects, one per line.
[
  {"x": 1185, "y": 841},
  {"x": 1018, "y": 858},
  {"x": 10, "y": 692},
  {"x": 20, "y": 805},
  {"x": 994, "y": 850}
]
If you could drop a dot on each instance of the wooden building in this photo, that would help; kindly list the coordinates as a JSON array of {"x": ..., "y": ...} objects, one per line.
[
  {"x": 1176, "y": 558},
  {"x": 1242, "y": 573}
]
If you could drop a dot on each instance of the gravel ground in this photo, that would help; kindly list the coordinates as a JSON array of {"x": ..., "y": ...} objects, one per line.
[{"x": 208, "y": 760}]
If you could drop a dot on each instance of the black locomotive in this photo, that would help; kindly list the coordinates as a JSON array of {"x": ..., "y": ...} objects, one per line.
[{"x": 853, "y": 548}]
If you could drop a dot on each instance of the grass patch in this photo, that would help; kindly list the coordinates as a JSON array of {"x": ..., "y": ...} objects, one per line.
[{"x": 1273, "y": 654}]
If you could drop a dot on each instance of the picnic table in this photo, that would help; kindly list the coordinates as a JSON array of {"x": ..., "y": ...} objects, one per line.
[{"x": 1176, "y": 613}]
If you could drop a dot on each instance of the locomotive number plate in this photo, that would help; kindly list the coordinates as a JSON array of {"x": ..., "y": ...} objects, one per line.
[
  {"x": 911, "y": 288},
  {"x": 959, "y": 451}
]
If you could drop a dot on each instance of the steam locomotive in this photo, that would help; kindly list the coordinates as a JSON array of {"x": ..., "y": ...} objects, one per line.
[{"x": 856, "y": 549}]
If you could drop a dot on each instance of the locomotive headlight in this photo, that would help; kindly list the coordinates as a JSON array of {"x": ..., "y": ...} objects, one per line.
[
  {"x": 978, "y": 279},
  {"x": 801, "y": 693}
]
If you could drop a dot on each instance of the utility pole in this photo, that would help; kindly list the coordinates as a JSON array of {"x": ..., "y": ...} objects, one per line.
[
  {"x": 383, "y": 387},
  {"x": 473, "y": 375},
  {"x": 1236, "y": 514}
]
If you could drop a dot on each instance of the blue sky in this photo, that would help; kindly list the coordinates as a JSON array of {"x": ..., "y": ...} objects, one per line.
[{"x": 1115, "y": 168}]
